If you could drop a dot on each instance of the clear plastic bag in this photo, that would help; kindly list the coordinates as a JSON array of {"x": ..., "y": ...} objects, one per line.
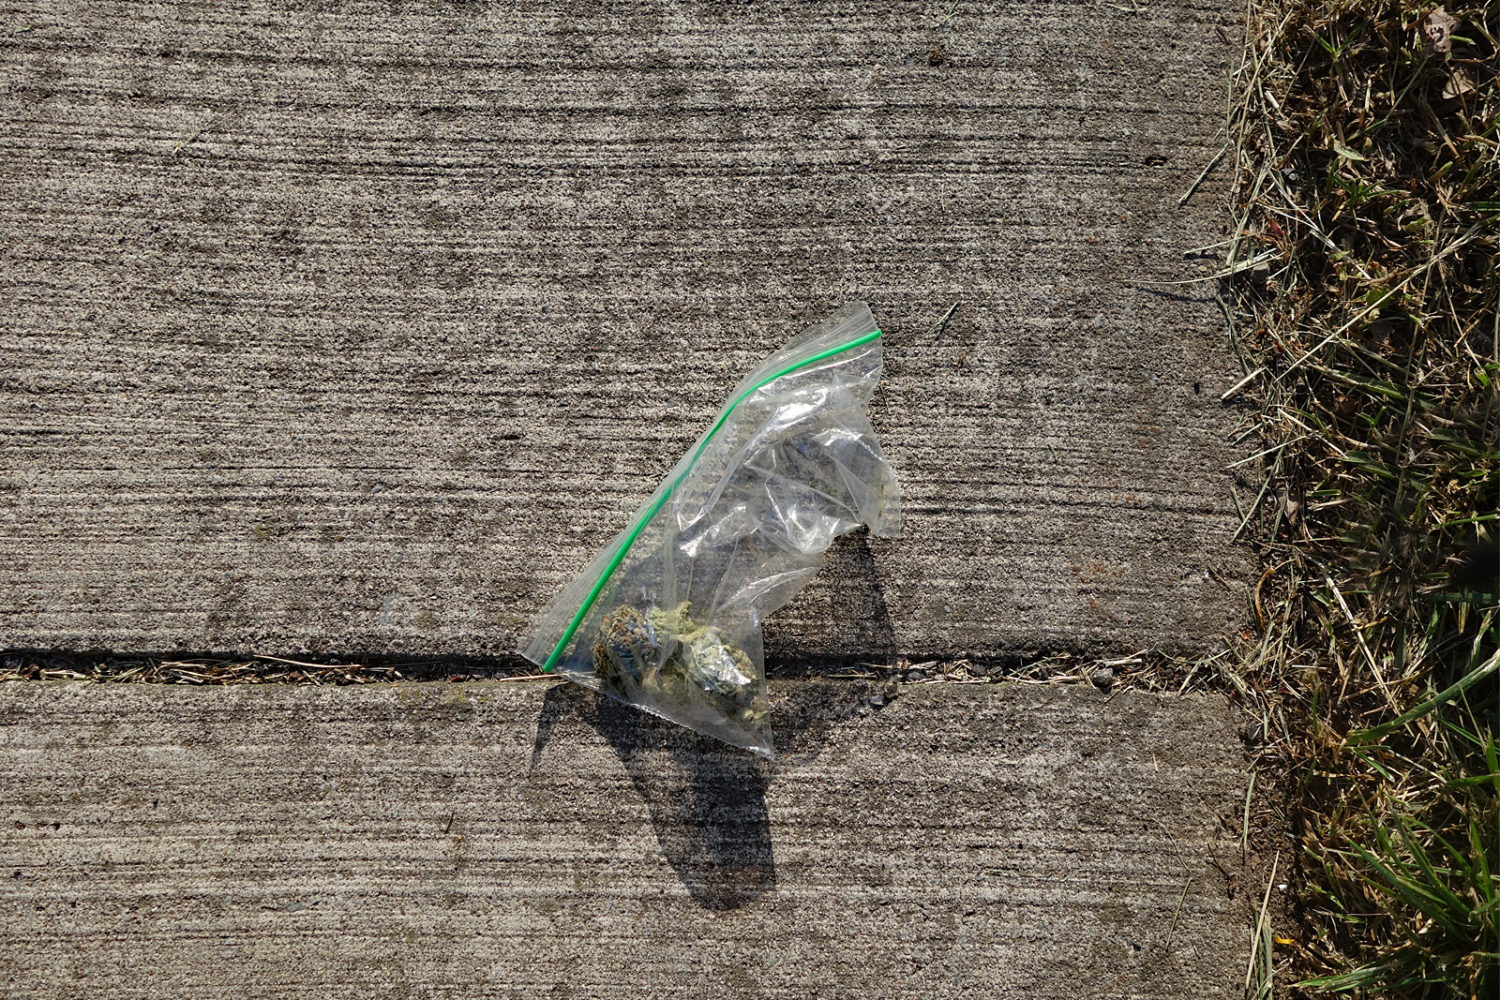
[{"x": 668, "y": 616}]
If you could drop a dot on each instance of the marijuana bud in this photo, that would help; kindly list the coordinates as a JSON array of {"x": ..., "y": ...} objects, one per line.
[
  {"x": 663, "y": 653},
  {"x": 627, "y": 648}
]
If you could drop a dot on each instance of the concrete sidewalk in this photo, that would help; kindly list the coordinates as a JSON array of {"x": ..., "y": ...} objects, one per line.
[
  {"x": 492, "y": 840},
  {"x": 358, "y": 327}
]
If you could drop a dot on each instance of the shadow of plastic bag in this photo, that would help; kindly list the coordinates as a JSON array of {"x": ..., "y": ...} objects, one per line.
[{"x": 707, "y": 801}]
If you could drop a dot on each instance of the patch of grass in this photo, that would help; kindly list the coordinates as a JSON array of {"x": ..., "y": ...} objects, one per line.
[{"x": 1363, "y": 285}]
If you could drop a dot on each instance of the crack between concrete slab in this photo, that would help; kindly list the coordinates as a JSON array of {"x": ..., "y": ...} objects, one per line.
[{"x": 1147, "y": 669}]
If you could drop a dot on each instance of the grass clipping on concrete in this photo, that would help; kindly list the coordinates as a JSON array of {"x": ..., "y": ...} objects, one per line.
[{"x": 1365, "y": 281}]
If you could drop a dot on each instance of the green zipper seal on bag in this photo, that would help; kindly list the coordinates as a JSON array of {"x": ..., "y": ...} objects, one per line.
[{"x": 640, "y": 525}]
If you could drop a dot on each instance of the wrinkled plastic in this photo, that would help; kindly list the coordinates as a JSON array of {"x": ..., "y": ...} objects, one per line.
[{"x": 668, "y": 616}]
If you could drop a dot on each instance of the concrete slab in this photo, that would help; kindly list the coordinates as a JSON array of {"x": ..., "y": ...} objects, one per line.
[
  {"x": 358, "y": 327},
  {"x": 493, "y": 840}
]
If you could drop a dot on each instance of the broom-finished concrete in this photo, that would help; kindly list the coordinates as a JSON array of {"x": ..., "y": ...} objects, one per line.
[
  {"x": 492, "y": 840},
  {"x": 357, "y": 328}
]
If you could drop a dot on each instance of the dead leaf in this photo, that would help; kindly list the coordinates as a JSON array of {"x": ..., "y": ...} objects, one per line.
[
  {"x": 1458, "y": 85},
  {"x": 1439, "y": 31}
]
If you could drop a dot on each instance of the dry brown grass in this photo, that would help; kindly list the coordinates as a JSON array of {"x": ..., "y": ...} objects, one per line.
[
  {"x": 190, "y": 670},
  {"x": 1363, "y": 279}
]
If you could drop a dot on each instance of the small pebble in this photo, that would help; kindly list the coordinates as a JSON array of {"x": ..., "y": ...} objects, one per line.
[{"x": 1104, "y": 678}]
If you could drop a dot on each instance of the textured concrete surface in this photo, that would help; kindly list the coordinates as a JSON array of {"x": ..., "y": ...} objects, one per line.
[
  {"x": 359, "y": 327},
  {"x": 493, "y": 840}
]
